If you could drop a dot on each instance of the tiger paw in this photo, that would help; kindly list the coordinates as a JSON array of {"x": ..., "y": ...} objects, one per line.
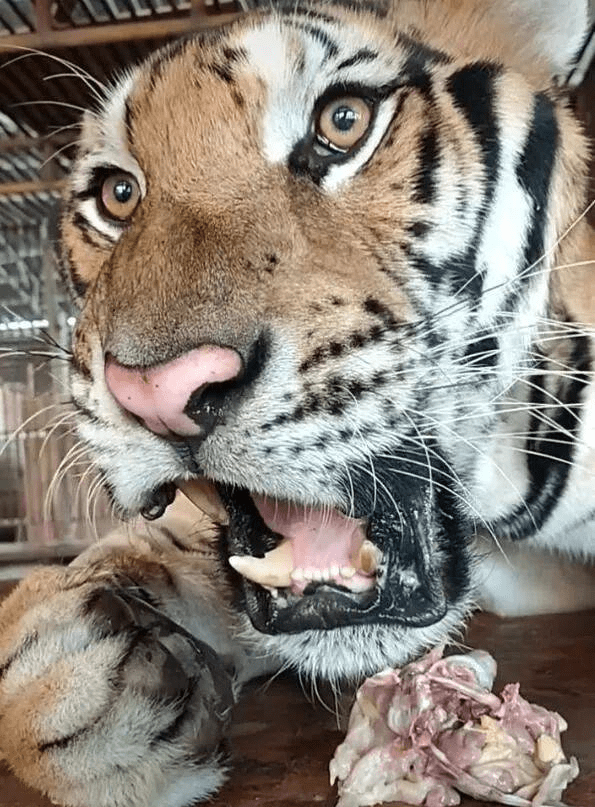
[{"x": 106, "y": 702}]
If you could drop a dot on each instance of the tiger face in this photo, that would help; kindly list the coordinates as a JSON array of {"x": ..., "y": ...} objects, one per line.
[{"x": 312, "y": 253}]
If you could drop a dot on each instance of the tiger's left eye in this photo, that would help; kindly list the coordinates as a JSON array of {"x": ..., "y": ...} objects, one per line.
[
  {"x": 120, "y": 195},
  {"x": 343, "y": 122}
]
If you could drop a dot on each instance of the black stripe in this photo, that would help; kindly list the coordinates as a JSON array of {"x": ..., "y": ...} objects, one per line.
[
  {"x": 331, "y": 48},
  {"x": 173, "y": 539},
  {"x": 556, "y": 443},
  {"x": 363, "y": 55},
  {"x": 235, "y": 54},
  {"x": 421, "y": 54},
  {"x": 483, "y": 352},
  {"x": 87, "y": 230},
  {"x": 293, "y": 8},
  {"x": 534, "y": 172},
  {"x": 64, "y": 742},
  {"x": 472, "y": 90},
  {"x": 27, "y": 643},
  {"x": 424, "y": 185},
  {"x": 66, "y": 271},
  {"x": 223, "y": 71},
  {"x": 129, "y": 123}
]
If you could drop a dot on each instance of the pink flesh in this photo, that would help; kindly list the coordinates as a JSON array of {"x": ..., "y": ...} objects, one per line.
[
  {"x": 158, "y": 395},
  {"x": 320, "y": 537}
]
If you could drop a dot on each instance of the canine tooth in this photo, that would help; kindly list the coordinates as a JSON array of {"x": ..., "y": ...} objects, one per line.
[
  {"x": 272, "y": 571},
  {"x": 368, "y": 558},
  {"x": 347, "y": 571},
  {"x": 203, "y": 494}
]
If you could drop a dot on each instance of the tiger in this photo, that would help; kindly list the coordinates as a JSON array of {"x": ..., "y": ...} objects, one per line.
[{"x": 331, "y": 262}]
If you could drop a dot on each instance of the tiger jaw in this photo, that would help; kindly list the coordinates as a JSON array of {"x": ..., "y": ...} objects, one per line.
[{"x": 304, "y": 568}]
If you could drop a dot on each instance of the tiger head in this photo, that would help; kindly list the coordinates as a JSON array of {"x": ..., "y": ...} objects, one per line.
[{"x": 311, "y": 251}]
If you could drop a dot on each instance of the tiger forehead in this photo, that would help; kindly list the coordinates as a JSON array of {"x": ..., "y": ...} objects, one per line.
[{"x": 192, "y": 103}]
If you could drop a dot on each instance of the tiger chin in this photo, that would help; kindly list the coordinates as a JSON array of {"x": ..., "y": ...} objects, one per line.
[{"x": 332, "y": 259}]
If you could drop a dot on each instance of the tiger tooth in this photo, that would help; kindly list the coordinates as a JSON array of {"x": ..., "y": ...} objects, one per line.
[
  {"x": 368, "y": 558},
  {"x": 272, "y": 571},
  {"x": 203, "y": 494}
]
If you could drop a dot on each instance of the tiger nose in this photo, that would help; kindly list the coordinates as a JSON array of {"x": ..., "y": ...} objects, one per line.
[{"x": 159, "y": 396}]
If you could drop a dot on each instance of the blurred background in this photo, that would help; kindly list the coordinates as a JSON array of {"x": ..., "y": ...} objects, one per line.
[{"x": 55, "y": 56}]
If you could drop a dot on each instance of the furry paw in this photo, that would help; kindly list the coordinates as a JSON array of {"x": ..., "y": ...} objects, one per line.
[{"x": 104, "y": 701}]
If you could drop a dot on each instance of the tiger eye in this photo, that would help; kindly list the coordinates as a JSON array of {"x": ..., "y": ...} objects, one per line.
[
  {"x": 120, "y": 195},
  {"x": 343, "y": 122}
]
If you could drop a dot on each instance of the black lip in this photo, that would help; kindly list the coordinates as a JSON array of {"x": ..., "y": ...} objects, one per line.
[{"x": 410, "y": 590}]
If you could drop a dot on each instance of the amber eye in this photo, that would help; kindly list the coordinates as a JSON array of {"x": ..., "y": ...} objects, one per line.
[
  {"x": 343, "y": 122},
  {"x": 120, "y": 195}
]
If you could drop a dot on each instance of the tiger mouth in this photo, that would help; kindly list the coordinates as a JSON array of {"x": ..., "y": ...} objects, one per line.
[
  {"x": 316, "y": 546},
  {"x": 299, "y": 567}
]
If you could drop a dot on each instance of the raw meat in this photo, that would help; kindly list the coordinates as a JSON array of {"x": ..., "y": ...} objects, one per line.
[{"x": 422, "y": 733}]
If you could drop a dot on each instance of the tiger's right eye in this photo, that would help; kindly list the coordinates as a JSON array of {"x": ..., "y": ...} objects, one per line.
[{"x": 120, "y": 195}]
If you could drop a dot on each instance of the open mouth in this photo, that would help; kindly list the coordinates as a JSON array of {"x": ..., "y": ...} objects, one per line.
[
  {"x": 317, "y": 546},
  {"x": 302, "y": 567}
]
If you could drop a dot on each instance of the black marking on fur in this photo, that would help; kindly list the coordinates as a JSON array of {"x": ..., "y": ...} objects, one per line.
[
  {"x": 534, "y": 172},
  {"x": 379, "y": 309},
  {"x": 421, "y": 55},
  {"x": 552, "y": 444},
  {"x": 162, "y": 58},
  {"x": 330, "y": 46},
  {"x": 418, "y": 229},
  {"x": 177, "y": 725},
  {"x": 64, "y": 742},
  {"x": 482, "y": 352},
  {"x": 363, "y": 55},
  {"x": 27, "y": 643},
  {"x": 424, "y": 186},
  {"x": 99, "y": 173},
  {"x": 68, "y": 275},
  {"x": 87, "y": 231},
  {"x": 234, "y": 55},
  {"x": 129, "y": 123},
  {"x": 224, "y": 71}
]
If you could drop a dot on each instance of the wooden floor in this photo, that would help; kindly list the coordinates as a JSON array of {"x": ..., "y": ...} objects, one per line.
[{"x": 282, "y": 743}]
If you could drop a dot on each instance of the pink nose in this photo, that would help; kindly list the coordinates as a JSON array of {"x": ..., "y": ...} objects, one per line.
[{"x": 159, "y": 395}]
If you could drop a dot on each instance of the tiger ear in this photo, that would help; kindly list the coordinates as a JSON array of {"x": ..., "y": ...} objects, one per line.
[{"x": 558, "y": 30}]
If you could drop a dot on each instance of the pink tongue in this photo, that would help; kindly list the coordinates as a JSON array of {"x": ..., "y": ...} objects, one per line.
[{"x": 320, "y": 538}]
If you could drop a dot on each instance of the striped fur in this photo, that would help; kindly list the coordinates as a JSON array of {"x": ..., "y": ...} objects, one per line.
[{"x": 414, "y": 316}]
